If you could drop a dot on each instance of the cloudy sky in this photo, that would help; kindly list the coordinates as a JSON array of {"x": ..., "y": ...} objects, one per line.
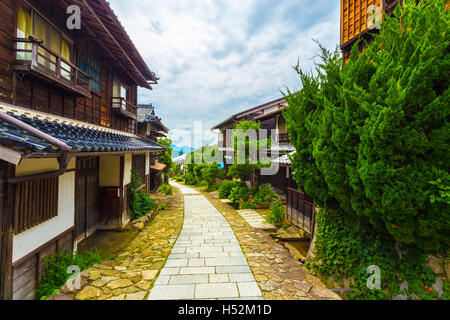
[{"x": 218, "y": 57}]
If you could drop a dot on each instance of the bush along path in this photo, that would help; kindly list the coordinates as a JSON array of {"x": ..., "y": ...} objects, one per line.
[
  {"x": 278, "y": 274},
  {"x": 132, "y": 272}
]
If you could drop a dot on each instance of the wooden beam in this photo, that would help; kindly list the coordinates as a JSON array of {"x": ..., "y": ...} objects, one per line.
[
  {"x": 6, "y": 231},
  {"x": 99, "y": 21},
  {"x": 9, "y": 155}
]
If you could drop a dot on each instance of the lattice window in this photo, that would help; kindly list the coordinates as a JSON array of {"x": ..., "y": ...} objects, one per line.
[
  {"x": 36, "y": 201},
  {"x": 92, "y": 68}
]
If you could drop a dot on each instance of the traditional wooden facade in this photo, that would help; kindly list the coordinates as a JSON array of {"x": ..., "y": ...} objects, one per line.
[
  {"x": 300, "y": 206},
  {"x": 151, "y": 127},
  {"x": 68, "y": 134},
  {"x": 225, "y": 141},
  {"x": 359, "y": 18}
]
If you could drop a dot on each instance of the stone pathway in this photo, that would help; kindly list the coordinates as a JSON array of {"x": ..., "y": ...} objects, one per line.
[
  {"x": 254, "y": 219},
  {"x": 207, "y": 261}
]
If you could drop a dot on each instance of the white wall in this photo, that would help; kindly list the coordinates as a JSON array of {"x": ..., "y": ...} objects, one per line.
[
  {"x": 32, "y": 239},
  {"x": 147, "y": 163},
  {"x": 127, "y": 166}
]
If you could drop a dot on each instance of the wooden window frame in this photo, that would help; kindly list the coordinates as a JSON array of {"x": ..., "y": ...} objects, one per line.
[
  {"x": 89, "y": 57},
  {"x": 34, "y": 11},
  {"x": 35, "y": 202}
]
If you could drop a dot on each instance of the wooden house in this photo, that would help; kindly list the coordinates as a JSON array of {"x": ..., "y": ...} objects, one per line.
[
  {"x": 151, "y": 127},
  {"x": 358, "y": 18},
  {"x": 225, "y": 141},
  {"x": 300, "y": 207},
  {"x": 68, "y": 133}
]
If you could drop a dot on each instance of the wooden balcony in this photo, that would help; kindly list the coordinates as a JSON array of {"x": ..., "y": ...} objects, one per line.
[
  {"x": 123, "y": 107},
  {"x": 44, "y": 63}
]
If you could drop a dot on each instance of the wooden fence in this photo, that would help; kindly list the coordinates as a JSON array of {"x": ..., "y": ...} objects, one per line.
[{"x": 301, "y": 210}]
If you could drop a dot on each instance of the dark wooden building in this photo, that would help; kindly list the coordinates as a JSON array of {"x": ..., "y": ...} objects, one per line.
[
  {"x": 151, "y": 127},
  {"x": 359, "y": 19},
  {"x": 68, "y": 134}
]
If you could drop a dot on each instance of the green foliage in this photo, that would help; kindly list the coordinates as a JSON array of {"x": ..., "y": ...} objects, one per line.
[
  {"x": 370, "y": 135},
  {"x": 210, "y": 175},
  {"x": 248, "y": 205},
  {"x": 278, "y": 211},
  {"x": 265, "y": 195},
  {"x": 140, "y": 202},
  {"x": 348, "y": 245},
  {"x": 55, "y": 274},
  {"x": 166, "y": 189},
  {"x": 443, "y": 191},
  {"x": 246, "y": 159},
  {"x": 163, "y": 206},
  {"x": 177, "y": 170},
  {"x": 179, "y": 179},
  {"x": 166, "y": 157},
  {"x": 190, "y": 180},
  {"x": 239, "y": 194},
  {"x": 225, "y": 188},
  {"x": 446, "y": 289},
  {"x": 222, "y": 174}
]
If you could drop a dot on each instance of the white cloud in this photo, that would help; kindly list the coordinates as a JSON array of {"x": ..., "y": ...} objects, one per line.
[{"x": 216, "y": 58}]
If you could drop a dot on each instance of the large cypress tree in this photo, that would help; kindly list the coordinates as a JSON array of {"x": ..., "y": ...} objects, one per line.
[{"x": 372, "y": 134}]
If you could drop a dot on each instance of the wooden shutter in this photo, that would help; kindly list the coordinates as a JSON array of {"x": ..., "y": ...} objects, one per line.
[{"x": 36, "y": 201}]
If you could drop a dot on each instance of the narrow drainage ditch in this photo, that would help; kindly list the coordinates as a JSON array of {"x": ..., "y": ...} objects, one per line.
[{"x": 298, "y": 247}]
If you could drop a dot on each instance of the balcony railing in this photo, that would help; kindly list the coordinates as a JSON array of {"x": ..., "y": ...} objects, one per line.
[
  {"x": 34, "y": 57},
  {"x": 124, "y": 107}
]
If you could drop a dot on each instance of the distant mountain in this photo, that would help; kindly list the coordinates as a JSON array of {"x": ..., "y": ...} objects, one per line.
[{"x": 179, "y": 151}]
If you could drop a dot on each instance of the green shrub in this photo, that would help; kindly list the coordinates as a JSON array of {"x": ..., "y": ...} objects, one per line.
[
  {"x": 179, "y": 179},
  {"x": 371, "y": 134},
  {"x": 190, "y": 180},
  {"x": 55, "y": 272},
  {"x": 277, "y": 213},
  {"x": 239, "y": 194},
  {"x": 248, "y": 205},
  {"x": 166, "y": 158},
  {"x": 140, "y": 202},
  {"x": 166, "y": 189},
  {"x": 348, "y": 245},
  {"x": 225, "y": 188},
  {"x": 209, "y": 175},
  {"x": 265, "y": 195},
  {"x": 222, "y": 174}
]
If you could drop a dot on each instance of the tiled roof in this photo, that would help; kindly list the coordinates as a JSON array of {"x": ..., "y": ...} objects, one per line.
[
  {"x": 158, "y": 166},
  {"x": 283, "y": 147},
  {"x": 80, "y": 136},
  {"x": 284, "y": 159},
  {"x": 146, "y": 113},
  {"x": 266, "y": 115}
]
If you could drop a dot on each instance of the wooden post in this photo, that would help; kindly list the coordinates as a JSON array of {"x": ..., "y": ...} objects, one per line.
[
  {"x": 6, "y": 228},
  {"x": 34, "y": 53}
]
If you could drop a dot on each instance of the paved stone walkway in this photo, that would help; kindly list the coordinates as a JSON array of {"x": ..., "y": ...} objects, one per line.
[{"x": 207, "y": 261}]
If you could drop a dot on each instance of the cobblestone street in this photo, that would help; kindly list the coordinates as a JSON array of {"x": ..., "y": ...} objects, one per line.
[
  {"x": 215, "y": 255},
  {"x": 206, "y": 261}
]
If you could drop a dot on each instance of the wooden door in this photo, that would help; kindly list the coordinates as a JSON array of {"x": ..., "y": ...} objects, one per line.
[{"x": 88, "y": 202}]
